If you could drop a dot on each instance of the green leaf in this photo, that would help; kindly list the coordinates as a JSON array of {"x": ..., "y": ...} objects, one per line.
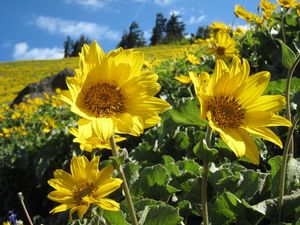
[
  {"x": 292, "y": 174},
  {"x": 203, "y": 152},
  {"x": 288, "y": 56},
  {"x": 113, "y": 218},
  {"x": 187, "y": 114},
  {"x": 228, "y": 209},
  {"x": 269, "y": 207},
  {"x": 160, "y": 215},
  {"x": 153, "y": 182}
]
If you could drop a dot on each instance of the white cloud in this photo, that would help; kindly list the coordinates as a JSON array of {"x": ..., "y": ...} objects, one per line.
[
  {"x": 196, "y": 20},
  {"x": 23, "y": 52},
  {"x": 90, "y": 4},
  {"x": 163, "y": 2},
  {"x": 175, "y": 13},
  {"x": 76, "y": 28}
]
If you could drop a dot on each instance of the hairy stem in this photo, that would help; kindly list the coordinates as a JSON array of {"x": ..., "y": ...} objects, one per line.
[
  {"x": 283, "y": 166},
  {"x": 24, "y": 208},
  {"x": 124, "y": 184}
]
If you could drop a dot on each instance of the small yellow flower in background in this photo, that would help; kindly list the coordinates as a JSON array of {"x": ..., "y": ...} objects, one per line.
[
  {"x": 241, "y": 12},
  {"x": 268, "y": 8},
  {"x": 222, "y": 46},
  {"x": 48, "y": 124},
  {"x": 231, "y": 101},
  {"x": 148, "y": 65},
  {"x": 239, "y": 31},
  {"x": 216, "y": 27},
  {"x": 6, "y": 132},
  {"x": 288, "y": 3},
  {"x": 89, "y": 137},
  {"x": 192, "y": 59},
  {"x": 183, "y": 79},
  {"x": 15, "y": 115},
  {"x": 56, "y": 102},
  {"x": 84, "y": 187},
  {"x": 6, "y": 223},
  {"x": 112, "y": 90}
]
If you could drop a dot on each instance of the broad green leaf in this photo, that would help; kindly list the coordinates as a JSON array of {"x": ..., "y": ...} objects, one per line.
[
  {"x": 288, "y": 56},
  {"x": 160, "y": 215},
  {"x": 269, "y": 207},
  {"x": 113, "y": 218},
  {"x": 187, "y": 114},
  {"x": 292, "y": 178},
  {"x": 203, "y": 152},
  {"x": 228, "y": 209}
]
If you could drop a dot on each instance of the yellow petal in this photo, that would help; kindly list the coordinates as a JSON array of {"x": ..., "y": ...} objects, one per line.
[
  {"x": 108, "y": 188},
  {"x": 103, "y": 127},
  {"x": 108, "y": 204},
  {"x": 254, "y": 88},
  {"x": 82, "y": 210},
  {"x": 262, "y": 119},
  {"x": 104, "y": 176},
  {"x": 61, "y": 196},
  {"x": 78, "y": 165},
  {"x": 61, "y": 208},
  {"x": 265, "y": 133},
  {"x": 267, "y": 103},
  {"x": 65, "y": 178}
]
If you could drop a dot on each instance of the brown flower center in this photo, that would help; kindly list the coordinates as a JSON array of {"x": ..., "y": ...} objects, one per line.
[
  {"x": 226, "y": 111},
  {"x": 221, "y": 50},
  {"x": 104, "y": 100},
  {"x": 82, "y": 190}
]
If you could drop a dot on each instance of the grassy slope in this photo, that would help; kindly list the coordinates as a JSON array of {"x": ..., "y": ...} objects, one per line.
[{"x": 14, "y": 76}]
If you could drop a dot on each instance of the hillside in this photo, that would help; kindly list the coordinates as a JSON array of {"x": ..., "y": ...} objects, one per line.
[{"x": 14, "y": 76}]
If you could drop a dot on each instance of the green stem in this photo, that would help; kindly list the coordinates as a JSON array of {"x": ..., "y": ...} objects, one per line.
[
  {"x": 124, "y": 184},
  {"x": 287, "y": 96},
  {"x": 283, "y": 166},
  {"x": 282, "y": 27},
  {"x": 24, "y": 208},
  {"x": 208, "y": 137}
]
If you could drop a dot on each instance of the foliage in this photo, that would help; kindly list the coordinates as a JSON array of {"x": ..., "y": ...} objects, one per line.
[
  {"x": 73, "y": 48},
  {"x": 164, "y": 165},
  {"x": 133, "y": 38}
]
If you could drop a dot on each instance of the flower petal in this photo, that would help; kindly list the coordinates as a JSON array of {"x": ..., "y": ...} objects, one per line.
[
  {"x": 263, "y": 119},
  {"x": 267, "y": 103},
  {"x": 106, "y": 189},
  {"x": 108, "y": 204}
]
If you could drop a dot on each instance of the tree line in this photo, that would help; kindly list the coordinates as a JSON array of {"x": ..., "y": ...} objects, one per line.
[{"x": 165, "y": 31}]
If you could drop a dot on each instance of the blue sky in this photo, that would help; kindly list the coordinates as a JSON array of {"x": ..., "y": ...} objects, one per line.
[{"x": 36, "y": 29}]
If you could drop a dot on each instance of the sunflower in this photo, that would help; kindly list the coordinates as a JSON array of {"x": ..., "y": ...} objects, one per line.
[
  {"x": 288, "y": 3},
  {"x": 268, "y": 8},
  {"x": 222, "y": 46},
  {"x": 84, "y": 187},
  {"x": 112, "y": 89},
  {"x": 183, "y": 79},
  {"x": 241, "y": 12},
  {"x": 231, "y": 101},
  {"x": 216, "y": 27},
  {"x": 192, "y": 59},
  {"x": 89, "y": 137}
]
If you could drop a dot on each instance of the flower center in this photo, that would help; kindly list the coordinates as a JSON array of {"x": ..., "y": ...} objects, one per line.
[
  {"x": 104, "y": 100},
  {"x": 82, "y": 190},
  {"x": 226, "y": 111},
  {"x": 220, "y": 50},
  {"x": 94, "y": 141}
]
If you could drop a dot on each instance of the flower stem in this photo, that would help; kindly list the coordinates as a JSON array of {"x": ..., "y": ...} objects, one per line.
[
  {"x": 24, "y": 207},
  {"x": 282, "y": 27},
  {"x": 124, "y": 184},
  {"x": 284, "y": 165},
  {"x": 287, "y": 96},
  {"x": 208, "y": 136}
]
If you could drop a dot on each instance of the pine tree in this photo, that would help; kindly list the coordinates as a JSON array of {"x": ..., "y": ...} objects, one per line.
[
  {"x": 174, "y": 29},
  {"x": 68, "y": 47},
  {"x": 77, "y": 46},
  {"x": 202, "y": 32},
  {"x": 158, "y": 30},
  {"x": 134, "y": 38}
]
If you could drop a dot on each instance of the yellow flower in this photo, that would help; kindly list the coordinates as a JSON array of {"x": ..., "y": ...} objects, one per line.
[
  {"x": 239, "y": 31},
  {"x": 6, "y": 223},
  {"x": 183, "y": 79},
  {"x": 89, "y": 137},
  {"x": 15, "y": 115},
  {"x": 192, "y": 59},
  {"x": 113, "y": 90},
  {"x": 215, "y": 27},
  {"x": 288, "y": 3},
  {"x": 268, "y": 8},
  {"x": 84, "y": 187},
  {"x": 231, "y": 101},
  {"x": 241, "y": 12},
  {"x": 222, "y": 46},
  {"x": 48, "y": 124}
]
